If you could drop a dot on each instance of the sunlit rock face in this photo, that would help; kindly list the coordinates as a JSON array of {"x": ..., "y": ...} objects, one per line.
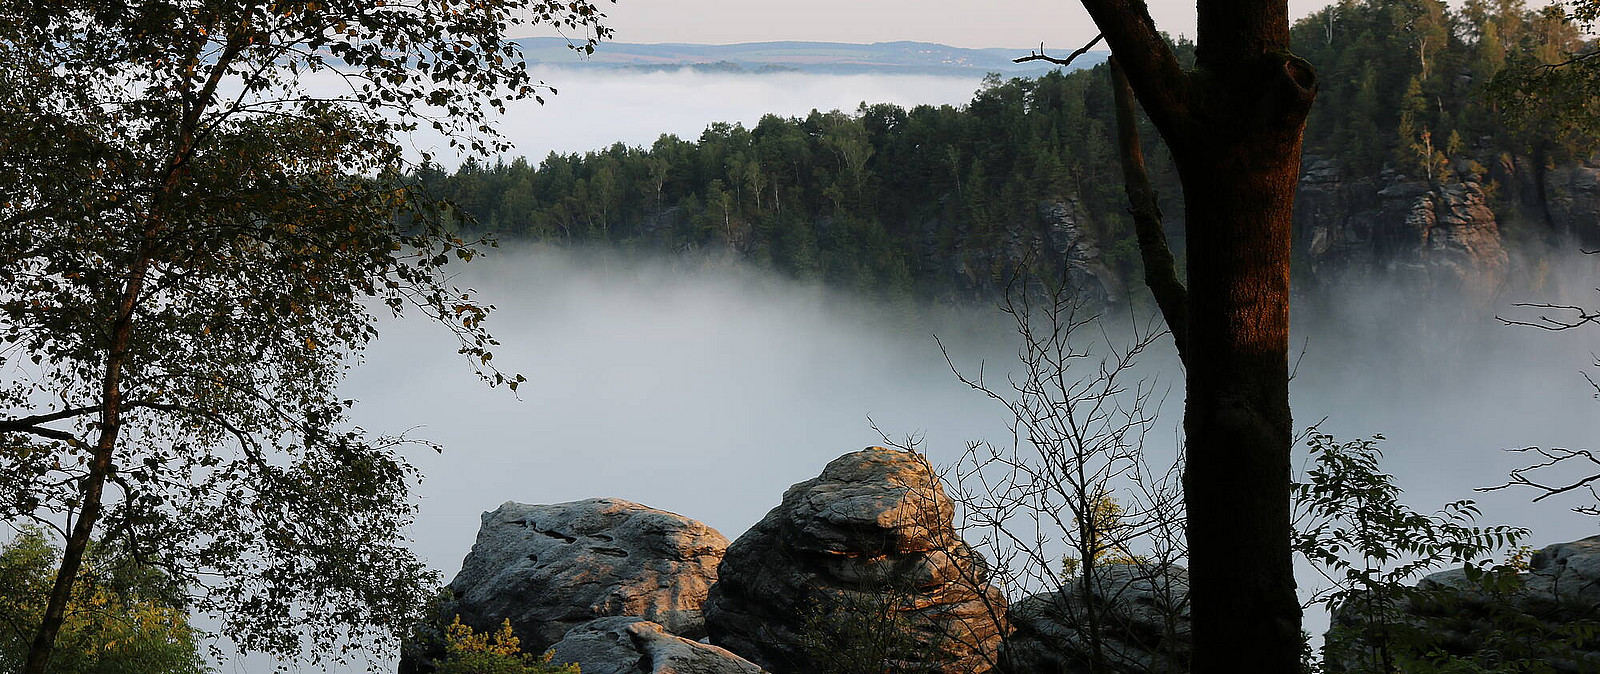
[
  {"x": 1517, "y": 621},
  {"x": 861, "y": 562},
  {"x": 622, "y": 645},
  {"x": 1139, "y": 611},
  {"x": 548, "y": 568}
]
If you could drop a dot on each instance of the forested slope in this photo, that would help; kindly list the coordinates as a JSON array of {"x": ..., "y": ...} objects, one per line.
[{"x": 951, "y": 201}]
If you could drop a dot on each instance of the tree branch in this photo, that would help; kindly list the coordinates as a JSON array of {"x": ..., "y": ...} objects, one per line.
[
  {"x": 1577, "y": 316},
  {"x": 1552, "y": 457},
  {"x": 1160, "y": 269},
  {"x": 51, "y": 433},
  {"x": 1158, "y": 80},
  {"x": 1041, "y": 56},
  {"x": 21, "y": 423}
]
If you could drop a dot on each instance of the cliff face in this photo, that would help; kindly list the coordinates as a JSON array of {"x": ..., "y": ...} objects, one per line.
[
  {"x": 1458, "y": 242},
  {"x": 1458, "y": 237},
  {"x": 1573, "y": 195}
]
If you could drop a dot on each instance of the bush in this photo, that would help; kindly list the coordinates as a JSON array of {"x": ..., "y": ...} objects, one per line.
[{"x": 469, "y": 652}]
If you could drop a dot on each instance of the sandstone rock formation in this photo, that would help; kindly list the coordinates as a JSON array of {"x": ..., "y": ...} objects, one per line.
[
  {"x": 1069, "y": 238},
  {"x": 548, "y": 568},
  {"x": 1561, "y": 589},
  {"x": 1436, "y": 239},
  {"x": 622, "y": 645},
  {"x": 1059, "y": 245},
  {"x": 1573, "y": 197},
  {"x": 1140, "y": 612},
  {"x": 861, "y": 562}
]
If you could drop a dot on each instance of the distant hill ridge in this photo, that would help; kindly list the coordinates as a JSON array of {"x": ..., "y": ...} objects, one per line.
[{"x": 818, "y": 57}]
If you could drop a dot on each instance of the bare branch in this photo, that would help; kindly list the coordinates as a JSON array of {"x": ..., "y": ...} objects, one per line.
[
  {"x": 1576, "y": 316},
  {"x": 1160, "y": 269},
  {"x": 1523, "y": 477},
  {"x": 1041, "y": 56},
  {"x": 1159, "y": 81}
]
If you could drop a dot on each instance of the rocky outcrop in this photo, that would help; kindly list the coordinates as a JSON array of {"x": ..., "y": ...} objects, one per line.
[
  {"x": 862, "y": 563},
  {"x": 1069, "y": 238},
  {"x": 548, "y": 568},
  {"x": 1433, "y": 238},
  {"x": 1572, "y": 195},
  {"x": 622, "y": 645},
  {"x": 1058, "y": 245},
  {"x": 1139, "y": 612},
  {"x": 1559, "y": 592}
]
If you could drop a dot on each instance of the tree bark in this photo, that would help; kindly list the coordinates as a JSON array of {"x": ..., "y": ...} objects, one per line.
[
  {"x": 1237, "y": 423},
  {"x": 1160, "y": 270},
  {"x": 1234, "y": 126},
  {"x": 100, "y": 467}
]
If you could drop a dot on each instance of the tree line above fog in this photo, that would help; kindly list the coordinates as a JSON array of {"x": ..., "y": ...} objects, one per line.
[{"x": 945, "y": 201}]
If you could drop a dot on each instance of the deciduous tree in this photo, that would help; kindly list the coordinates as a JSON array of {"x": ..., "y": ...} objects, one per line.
[{"x": 199, "y": 220}]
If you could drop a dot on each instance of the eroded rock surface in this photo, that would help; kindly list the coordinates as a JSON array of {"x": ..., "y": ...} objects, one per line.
[
  {"x": 1573, "y": 195},
  {"x": 548, "y": 568},
  {"x": 862, "y": 557},
  {"x": 1141, "y": 613},
  {"x": 622, "y": 645},
  {"x": 1437, "y": 239}
]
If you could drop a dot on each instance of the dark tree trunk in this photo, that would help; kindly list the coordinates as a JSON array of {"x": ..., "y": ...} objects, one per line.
[
  {"x": 1237, "y": 425},
  {"x": 1234, "y": 126},
  {"x": 93, "y": 486}
]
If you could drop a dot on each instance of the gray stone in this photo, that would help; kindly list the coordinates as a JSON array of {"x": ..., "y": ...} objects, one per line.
[
  {"x": 1437, "y": 240},
  {"x": 1560, "y": 588},
  {"x": 1141, "y": 613},
  {"x": 1070, "y": 239},
  {"x": 864, "y": 552},
  {"x": 547, "y": 568},
  {"x": 623, "y": 645},
  {"x": 1573, "y": 197}
]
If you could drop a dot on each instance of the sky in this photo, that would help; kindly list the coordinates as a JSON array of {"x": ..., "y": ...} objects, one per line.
[{"x": 1060, "y": 24}]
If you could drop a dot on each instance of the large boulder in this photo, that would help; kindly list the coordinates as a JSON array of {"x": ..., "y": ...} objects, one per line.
[
  {"x": 622, "y": 645},
  {"x": 548, "y": 568},
  {"x": 1140, "y": 612},
  {"x": 1542, "y": 617},
  {"x": 859, "y": 564}
]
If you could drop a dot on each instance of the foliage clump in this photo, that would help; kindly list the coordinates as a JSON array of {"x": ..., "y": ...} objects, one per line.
[
  {"x": 1373, "y": 548},
  {"x": 196, "y": 243},
  {"x": 470, "y": 652},
  {"x": 124, "y": 618}
]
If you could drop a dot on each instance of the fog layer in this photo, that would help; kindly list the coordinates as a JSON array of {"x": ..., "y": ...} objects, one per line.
[
  {"x": 706, "y": 388},
  {"x": 595, "y": 108}
]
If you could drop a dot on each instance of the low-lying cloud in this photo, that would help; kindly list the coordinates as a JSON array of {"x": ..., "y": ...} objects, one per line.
[{"x": 707, "y": 387}]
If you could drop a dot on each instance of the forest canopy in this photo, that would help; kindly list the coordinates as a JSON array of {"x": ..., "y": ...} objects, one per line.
[{"x": 931, "y": 201}]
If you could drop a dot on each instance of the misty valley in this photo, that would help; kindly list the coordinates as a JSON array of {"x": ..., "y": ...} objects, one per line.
[{"x": 343, "y": 341}]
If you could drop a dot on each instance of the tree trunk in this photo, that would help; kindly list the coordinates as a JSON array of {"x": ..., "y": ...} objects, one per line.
[
  {"x": 100, "y": 467},
  {"x": 1234, "y": 125},
  {"x": 1237, "y": 424}
]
